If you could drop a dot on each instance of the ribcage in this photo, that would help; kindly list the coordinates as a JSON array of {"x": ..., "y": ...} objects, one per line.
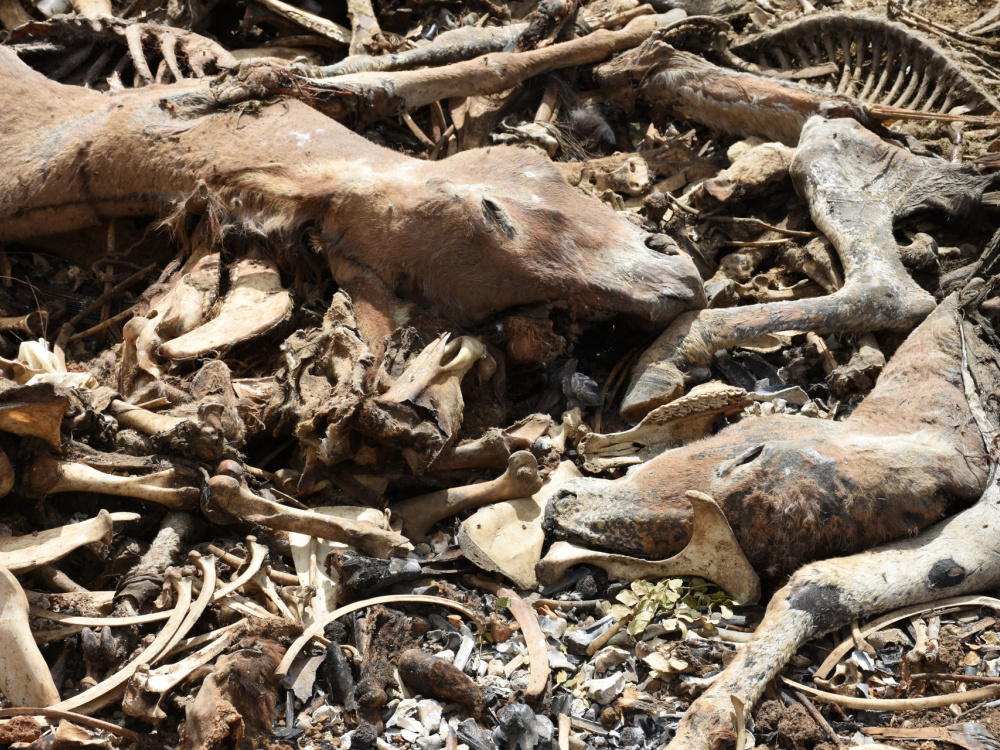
[{"x": 871, "y": 58}]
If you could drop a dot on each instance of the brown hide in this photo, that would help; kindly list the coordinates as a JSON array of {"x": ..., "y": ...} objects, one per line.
[
  {"x": 470, "y": 235},
  {"x": 797, "y": 489}
]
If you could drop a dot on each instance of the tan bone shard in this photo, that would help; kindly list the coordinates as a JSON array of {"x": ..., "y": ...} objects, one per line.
[
  {"x": 713, "y": 553},
  {"x": 677, "y": 423},
  {"x": 34, "y": 411},
  {"x": 507, "y": 537},
  {"x": 255, "y": 304},
  {"x": 20, "y": 554},
  {"x": 421, "y": 412}
]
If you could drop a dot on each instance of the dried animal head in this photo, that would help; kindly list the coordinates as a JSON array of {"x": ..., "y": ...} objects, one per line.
[
  {"x": 470, "y": 235},
  {"x": 796, "y": 489}
]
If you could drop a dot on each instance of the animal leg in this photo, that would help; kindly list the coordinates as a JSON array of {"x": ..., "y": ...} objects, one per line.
[
  {"x": 856, "y": 185},
  {"x": 830, "y": 594}
]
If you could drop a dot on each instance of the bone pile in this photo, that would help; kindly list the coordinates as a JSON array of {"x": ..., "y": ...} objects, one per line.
[{"x": 546, "y": 375}]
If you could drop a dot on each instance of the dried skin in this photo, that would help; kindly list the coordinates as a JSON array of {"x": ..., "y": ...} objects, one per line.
[
  {"x": 237, "y": 700},
  {"x": 431, "y": 676}
]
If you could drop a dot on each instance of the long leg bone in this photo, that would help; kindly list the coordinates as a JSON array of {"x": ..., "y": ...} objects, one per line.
[
  {"x": 173, "y": 488},
  {"x": 24, "y": 675},
  {"x": 235, "y": 501},
  {"x": 19, "y": 554},
  {"x": 830, "y": 594},
  {"x": 796, "y": 489},
  {"x": 856, "y": 185},
  {"x": 420, "y": 513}
]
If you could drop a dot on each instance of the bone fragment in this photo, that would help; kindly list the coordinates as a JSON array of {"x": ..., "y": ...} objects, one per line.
[
  {"x": 493, "y": 449},
  {"x": 34, "y": 411},
  {"x": 236, "y": 500},
  {"x": 20, "y": 554},
  {"x": 713, "y": 553},
  {"x": 431, "y": 383},
  {"x": 145, "y": 692},
  {"x": 317, "y": 24},
  {"x": 537, "y": 645},
  {"x": 255, "y": 304},
  {"x": 24, "y": 676},
  {"x": 258, "y": 554},
  {"x": 420, "y": 513},
  {"x": 196, "y": 438},
  {"x": 49, "y": 476},
  {"x": 507, "y": 537},
  {"x": 32, "y": 324},
  {"x": 310, "y": 554}
]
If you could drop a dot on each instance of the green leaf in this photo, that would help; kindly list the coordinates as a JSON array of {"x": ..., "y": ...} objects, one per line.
[
  {"x": 627, "y": 598},
  {"x": 619, "y": 611},
  {"x": 642, "y": 588},
  {"x": 726, "y": 612},
  {"x": 644, "y": 614},
  {"x": 503, "y": 602}
]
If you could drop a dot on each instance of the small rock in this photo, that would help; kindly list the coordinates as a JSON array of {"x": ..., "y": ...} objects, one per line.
[
  {"x": 577, "y": 640},
  {"x": 605, "y": 689},
  {"x": 495, "y": 668},
  {"x": 553, "y": 627},
  {"x": 632, "y": 737},
  {"x": 609, "y": 658},
  {"x": 429, "y": 713}
]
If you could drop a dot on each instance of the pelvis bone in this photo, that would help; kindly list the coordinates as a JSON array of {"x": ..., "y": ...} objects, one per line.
[{"x": 796, "y": 489}]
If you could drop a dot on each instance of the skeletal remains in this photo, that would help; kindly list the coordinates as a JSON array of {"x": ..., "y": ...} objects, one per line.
[{"x": 260, "y": 184}]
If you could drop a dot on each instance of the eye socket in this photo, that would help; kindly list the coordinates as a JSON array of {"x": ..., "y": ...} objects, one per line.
[{"x": 496, "y": 215}]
